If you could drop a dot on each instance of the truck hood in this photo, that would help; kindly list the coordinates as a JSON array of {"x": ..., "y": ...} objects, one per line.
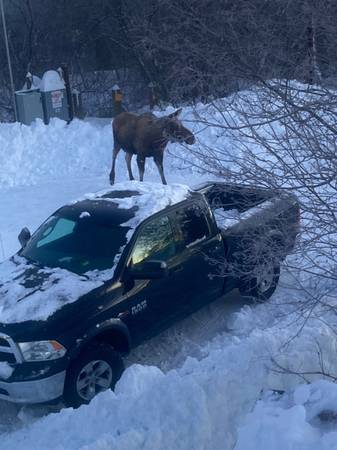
[{"x": 29, "y": 292}]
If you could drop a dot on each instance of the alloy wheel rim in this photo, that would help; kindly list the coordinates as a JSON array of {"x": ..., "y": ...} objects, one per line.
[{"x": 95, "y": 377}]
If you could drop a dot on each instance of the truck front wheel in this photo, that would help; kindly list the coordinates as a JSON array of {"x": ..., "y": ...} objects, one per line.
[
  {"x": 97, "y": 369},
  {"x": 262, "y": 286}
]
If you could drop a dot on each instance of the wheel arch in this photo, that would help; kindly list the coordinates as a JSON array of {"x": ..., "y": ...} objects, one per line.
[{"x": 113, "y": 332}]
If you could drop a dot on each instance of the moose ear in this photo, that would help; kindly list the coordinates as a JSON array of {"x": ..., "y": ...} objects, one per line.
[{"x": 175, "y": 113}]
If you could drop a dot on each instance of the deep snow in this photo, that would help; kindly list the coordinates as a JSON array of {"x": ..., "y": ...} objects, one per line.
[{"x": 206, "y": 387}]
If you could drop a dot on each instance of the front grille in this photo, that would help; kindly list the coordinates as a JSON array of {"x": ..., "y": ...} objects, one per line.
[
  {"x": 9, "y": 351},
  {"x": 7, "y": 357}
]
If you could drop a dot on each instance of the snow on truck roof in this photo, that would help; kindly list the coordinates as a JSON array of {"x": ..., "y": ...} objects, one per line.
[{"x": 129, "y": 203}]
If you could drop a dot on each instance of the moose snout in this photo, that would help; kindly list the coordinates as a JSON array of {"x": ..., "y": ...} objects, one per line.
[{"x": 190, "y": 140}]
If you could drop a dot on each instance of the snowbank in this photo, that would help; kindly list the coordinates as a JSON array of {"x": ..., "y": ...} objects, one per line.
[
  {"x": 197, "y": 406},
  {"x": 37, "y": 153},
  {"x": 305, "y": 419},
  {"x": 31, "y": 154}
]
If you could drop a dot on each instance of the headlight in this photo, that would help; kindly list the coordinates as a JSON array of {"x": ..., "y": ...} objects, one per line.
[{"x": 42, "y": 350}]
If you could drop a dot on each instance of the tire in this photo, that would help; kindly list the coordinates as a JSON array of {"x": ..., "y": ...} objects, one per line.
[
  {"x": 96, "y": 369},
  {"x": 260, "y": 290}
]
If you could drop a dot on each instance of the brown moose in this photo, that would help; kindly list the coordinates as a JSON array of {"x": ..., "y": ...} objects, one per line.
[{"x": 146, "y": 135}]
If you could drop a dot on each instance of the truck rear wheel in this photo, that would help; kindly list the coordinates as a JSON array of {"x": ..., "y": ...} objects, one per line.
[
  {"x": 97, "y": 369},
  {"x": 261, "y": 287}
]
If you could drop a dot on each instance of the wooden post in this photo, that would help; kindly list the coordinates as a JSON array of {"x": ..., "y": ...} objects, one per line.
[
  {"x": 314, "y": 72},
  {"x": 152, "y": 95},
  {"x": 29, "y": 80},
  {"x": 77, "y": 102},
  {"x": 117, "y": 97},
  {"x": 65, "y": 74}
]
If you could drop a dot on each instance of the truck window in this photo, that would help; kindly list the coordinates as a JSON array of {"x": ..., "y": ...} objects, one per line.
[
  {"x": 155, "y": 241},
  {"x": 79, "y": 245},
  {"x": 61, "y": 228},
  {"x": 193, "y": 225}
]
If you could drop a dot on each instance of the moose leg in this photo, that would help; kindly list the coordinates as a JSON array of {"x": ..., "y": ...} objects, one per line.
[
  {"x": 114, "y": 156},
  {"x": 128, "y": 158},
  {"x": 141, "y": 166},
  {"x": 158, "y": 159}
]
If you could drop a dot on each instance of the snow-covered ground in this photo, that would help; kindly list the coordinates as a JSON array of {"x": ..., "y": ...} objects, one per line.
[{"x": 202, "y": 384}]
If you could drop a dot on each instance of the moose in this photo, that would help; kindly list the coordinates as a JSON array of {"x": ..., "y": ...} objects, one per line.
[{"x": 146, "y": 135}]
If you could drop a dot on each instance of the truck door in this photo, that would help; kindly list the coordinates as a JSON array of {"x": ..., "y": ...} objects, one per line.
[
  {"x": 200, "y": 249},
  {"x": 151, "y": 302}
]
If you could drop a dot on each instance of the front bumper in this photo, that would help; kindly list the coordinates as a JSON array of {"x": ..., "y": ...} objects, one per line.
[{"x": 34, "y": 391}]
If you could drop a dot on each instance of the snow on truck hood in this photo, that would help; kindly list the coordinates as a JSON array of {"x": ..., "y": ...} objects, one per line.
[{"x": 30, "y": 292}]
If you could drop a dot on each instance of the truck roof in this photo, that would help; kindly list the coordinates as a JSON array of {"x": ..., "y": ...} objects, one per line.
[{"x": 126, "y": 203}]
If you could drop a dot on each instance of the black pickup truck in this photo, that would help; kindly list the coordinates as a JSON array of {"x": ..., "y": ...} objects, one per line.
[{"x": 112, "y": 269}]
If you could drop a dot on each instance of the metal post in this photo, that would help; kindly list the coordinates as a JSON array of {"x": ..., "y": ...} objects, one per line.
[{"x": 8, "y": 57}]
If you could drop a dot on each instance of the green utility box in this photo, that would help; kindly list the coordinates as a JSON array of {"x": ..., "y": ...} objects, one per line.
[
  {"x": 54, "y": 97},
  {"x": 29, "y": 106}
]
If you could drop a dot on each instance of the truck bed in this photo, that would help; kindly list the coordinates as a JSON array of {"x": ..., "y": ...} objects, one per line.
[
  {"x": 265, "y": 221},
  {"x": 241, "y": 206}
]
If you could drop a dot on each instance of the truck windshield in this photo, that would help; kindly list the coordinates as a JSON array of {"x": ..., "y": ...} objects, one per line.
[{"x": 79, "y": 245}]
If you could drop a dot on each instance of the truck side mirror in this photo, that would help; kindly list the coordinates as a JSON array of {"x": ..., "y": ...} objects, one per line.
[
  {"x": 152, "y": 269},
  {"x": 24, "y": 237}
]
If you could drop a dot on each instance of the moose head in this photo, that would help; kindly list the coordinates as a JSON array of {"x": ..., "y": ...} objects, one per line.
[{"x": 174, "y": 130}]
